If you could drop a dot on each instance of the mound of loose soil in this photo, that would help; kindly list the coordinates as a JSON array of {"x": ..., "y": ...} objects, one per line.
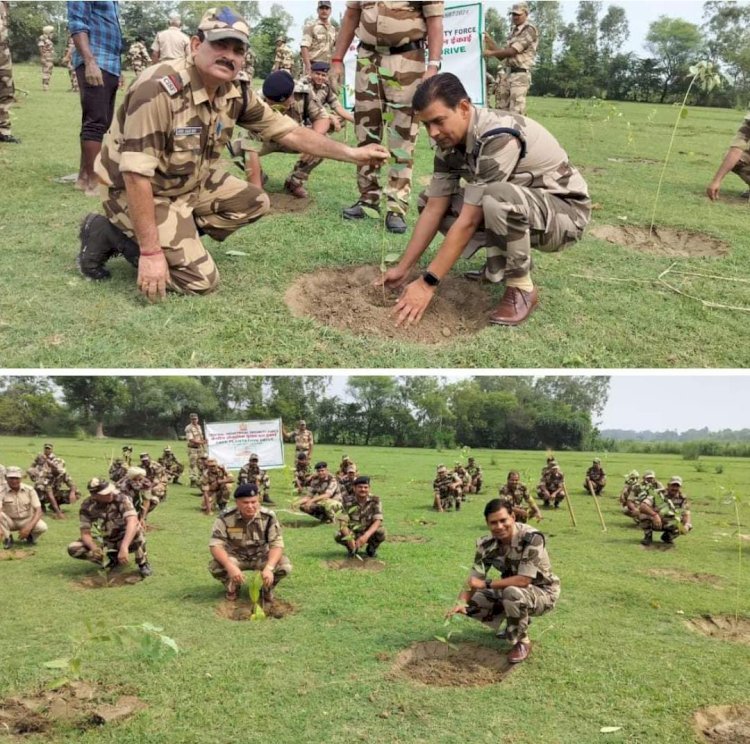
[
  {"x": 15, "y": 555},
  {"x": 406, "y": 539},
  {"x": 663, "y": 241},
  {"x": 287, "y": 204},
  {"x": 241, "y": 610},
  {"x": 723, "y": 724},
  {"x": 346, "y": 299},
  {"x": 693, "y": 578},
  {"x": 79, "y": 704},
  {"x": 436, "y": 663},
  {"x": 354, "y": 564},
  {"x": 724, "y": 627},
  {"x": 113, "y": 579}
]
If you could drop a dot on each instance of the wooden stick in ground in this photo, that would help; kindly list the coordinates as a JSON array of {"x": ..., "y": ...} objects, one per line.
[
  {"x": 570, "y": 508},
  {"x": 598, "y": 508}
]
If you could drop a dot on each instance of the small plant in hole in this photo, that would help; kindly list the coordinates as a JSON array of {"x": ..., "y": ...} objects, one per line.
[
  {"x": 732, "y": 498},
  {"x": 257, "y": 595},
  {"x": 452, "y": 622}
]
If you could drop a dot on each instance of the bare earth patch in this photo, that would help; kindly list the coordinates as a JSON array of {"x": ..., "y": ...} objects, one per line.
[
  {"x": 689, "y": 576},
  {"x": 345, "y": 299},
  {"x": 15, "y": 555},
  {"x": 657, "y": 546},
  {"x": 407, "y": 539},
  {"x": 241, "y": 610},
  {"x": 723, "y": 724},
  {"x": 663, "y": 241},
  {"x": 79, "y": 704},
  {"x": 354, "y": 564},
  {"x": 287, "y": 204},
  {"x": 436, "y": 663},
  {"x": 113, "y": 579},
  {"x": 724, "y": 627}
]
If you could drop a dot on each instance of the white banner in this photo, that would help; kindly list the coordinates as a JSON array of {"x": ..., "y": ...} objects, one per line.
[
  {"x": 232, "y": 443},
  {"x": 462, "y": 53}
]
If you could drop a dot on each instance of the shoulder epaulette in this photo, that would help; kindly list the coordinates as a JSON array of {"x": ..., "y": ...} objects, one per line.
[
  {"x": 491, "y": 134},
  {"x": 173, "y": 84}
]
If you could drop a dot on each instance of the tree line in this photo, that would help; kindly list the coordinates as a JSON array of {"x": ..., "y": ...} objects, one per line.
[{"x": 492, "y": 412}]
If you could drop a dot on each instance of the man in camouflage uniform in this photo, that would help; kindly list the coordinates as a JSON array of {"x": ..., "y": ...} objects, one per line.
[
  {"x": 127, "y": 454},
  {"x": 43, "y": 477},
  {"x": 596, "y": 478},
  {"x": 20, "y": 510},
  {"x": 46, "y": 55},
  {"x": 163, "y": 182},
  {"x": 138, "y": 488},
  {"x": 514, "y": 79},
  {"x": 463, "y": 474},
  {"x": 520, "y": 192},
  {"x": 117, "y": 522},
  {"x": 649, "y": 479},
  {"x": 7, "y": 91},
  {"x": 551, "y": 489},
  {"x": 196, "y": 446},
  {"x": 658, "y": 512},
  {"x": 250, "y": 472},
  {"x": 344, "y": 465},
  {"x": 284, "y": 57},
  {"x": 247, "y": 538},
  {"x": 215, "y": 484},
  {"x": 171, "y": 465},
  {"x": 302, "y": 437},
  {"x": 321, "y": 87},
  {"x": 392, "y": 36},
  {"x": 139, "y": 57},
  {"x": 629, "y": 496},
  {"x": 516, "y": 493},
  {"x": 171, "y": 43},
  {"x": 117, "y": 470},
  {"x": 737, "y": 160},
  {"x": 476, "y": 475},
  {"x": 681, "y": 503},
  {"x": 302, "y": 472},
  {"x": 323, "y": 498},
  {"x": 156, "y": 474},
  {"x": 67, "y": 60},
  {"x": 45, "y": 457},
  {"x": 526, "y": 587},
  {"x": 251, "y": 59},
  {"x": 318, "y": 38},
  {"x": 362, "y": 523},
  {"x": 346, "y": 486},
  {"x": 61, "y": 484},
  {"x": 446, "y": 490}
]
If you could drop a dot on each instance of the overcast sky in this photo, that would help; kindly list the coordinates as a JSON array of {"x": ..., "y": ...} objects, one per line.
[{"x": 641, "y": 13}]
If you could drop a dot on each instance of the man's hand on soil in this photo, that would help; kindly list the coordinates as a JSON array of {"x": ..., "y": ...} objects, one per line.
[
  {"x": 153, "y": 272},
  {"x": 394, "y": 278},
  {"x": 413, "y": 302}
]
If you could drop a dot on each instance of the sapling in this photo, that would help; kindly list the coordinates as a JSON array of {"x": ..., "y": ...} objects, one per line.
[
  {"x": 256, "y": 592},
  {"x": 733, "y": 499}
]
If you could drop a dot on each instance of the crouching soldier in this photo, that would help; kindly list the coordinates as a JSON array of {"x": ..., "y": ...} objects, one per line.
[
  {"x": 171, "y": 465},
  {"x": 476, "y": 475},
  {"x": 516, "y": 494},
  {"x": 596, "y": 478},
  {"x": 446, "y": 489},
  {"x": 215, "y": 483},
  {"x": 363, "y": 523},
  {"x": 137, "y": 487},
  {"x": 250, "y": 472},
  {"x": 323, "y": 499},
  {"x": 116, "y": 519},
  {"x": 20, "y": 510},
  {"x": 247, "y": 538},
  {"x": 657, "y": 512},
  {"x": 629, "y": 494},
  {"x": 302, "y": 474},
  {"x": 551, "y": 489}
]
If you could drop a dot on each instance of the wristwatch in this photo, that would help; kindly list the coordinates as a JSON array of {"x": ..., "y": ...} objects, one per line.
[
  {"x": 488, "y": 583},
  {"x": 435, "y": 63},
  {"x": 430, "y": 279}
]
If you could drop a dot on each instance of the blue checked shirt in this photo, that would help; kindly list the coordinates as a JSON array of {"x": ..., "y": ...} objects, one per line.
[{"x": 100, "y": 20}]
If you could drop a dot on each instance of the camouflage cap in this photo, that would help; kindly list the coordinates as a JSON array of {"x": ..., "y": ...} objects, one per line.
[
  {"x": 203, "y": 457},
  {"x": 634, "y": 474},
  {"x": 14, "y": 472},
  {"x": 441, "y": 468},
  {"x": 224, "y": 23},
  {"x": 127, "y": 448},
  {"x": 48, "y": 29},
  {"x": 253, "y": 456},
  {"x": 281, "y": 37},
  {"x": 301, "y": 422},
  {"x": 211, "y": 461},
  {"x": 519, "y": 8},
  {"x": 144, "y": 456},
  {"x": 167, "y": 449},
  {"x": 48, "y": 445},
  {"x": 324, "y": 3},
  {"x": 136, "y": 473},
  {"x": 101, "y": 486},
  {"x": 597, "y": 461},
  {"x": 193, "y": 415},
  {"x": 351, "y": 469},
  {"x": 675, "y": 479},
  {"x": 649, "y": 474}
]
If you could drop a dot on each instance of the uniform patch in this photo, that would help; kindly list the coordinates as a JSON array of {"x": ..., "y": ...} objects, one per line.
[
  {"x": 172, "y": 84},
  {"x": 184, "y": 131}
]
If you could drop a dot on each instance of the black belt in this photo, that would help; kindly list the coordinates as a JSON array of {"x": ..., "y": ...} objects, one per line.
[
  {"x": 410, "y": 47},
  {"x": 517, "y": 69}
]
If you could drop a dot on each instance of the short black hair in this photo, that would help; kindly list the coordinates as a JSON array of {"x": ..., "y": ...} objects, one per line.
[
  {"x": 445, "y": 86},
  {"x": 201, "y": 37},
  {"x": 513, "y": 472},
  {"x": 497, "y": 504}
]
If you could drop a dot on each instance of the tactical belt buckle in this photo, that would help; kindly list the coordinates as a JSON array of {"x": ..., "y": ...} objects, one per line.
[{"x": 380, "y": 49}]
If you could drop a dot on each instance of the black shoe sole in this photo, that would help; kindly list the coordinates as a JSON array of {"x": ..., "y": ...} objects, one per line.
[{"x": 99, "y": 273}]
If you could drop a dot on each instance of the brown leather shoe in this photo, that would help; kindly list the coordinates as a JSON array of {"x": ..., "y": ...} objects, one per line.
[
  {"x": 515, "y": 306},
  {"x": 519, "y": 652},
  {"x": 297, "y": 190}
]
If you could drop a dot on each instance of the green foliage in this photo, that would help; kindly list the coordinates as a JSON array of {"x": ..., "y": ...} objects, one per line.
[
  {"x": 255, "y": 591},
  {"x": 718, "y": 469}
]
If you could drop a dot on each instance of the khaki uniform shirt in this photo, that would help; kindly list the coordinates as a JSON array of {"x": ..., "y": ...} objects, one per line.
[
  {"x": 524, "y": 39},
  {"x": 171, "y": 43},
  {"x": 283, "y": 58},
  {"x": 194, "y": 431},
  {"x": 111, "y": 518},
  {"x": 742, "y": 140},
  {"x": 211, "y": 477},
  {"x": 46, "y": 47},
  {"x": 303, "y": 440},
  {"x": 442, "y": 483},
  {"x": 320, "y": 39},
  {"x": 595, "y": 474},
  {"x": 492, "y": 159},
  {"x": 328, "y": 486},
  {"x": 515, "y": 494},
  {"x": 323, "y": 93},
  {"x": 167, "y": 130},
  {"x": 137, "y": 493},
  {"x": 361, "y": 516},
  {"x": 19, "y": 505},
  {"x": 393, "y": 24},
  {"x": 525, "y": 556},
  {"x": 245, "y": 539}
]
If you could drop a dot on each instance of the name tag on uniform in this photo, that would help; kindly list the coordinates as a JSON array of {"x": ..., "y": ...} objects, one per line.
[
  {"x": 184, "y": 131},
  {"x": 235, "y": 533}
]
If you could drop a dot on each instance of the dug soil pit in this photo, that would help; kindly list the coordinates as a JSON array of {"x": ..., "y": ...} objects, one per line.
[
  {"x": 77, "y": 704},
  {"x": 724, "y": 627},
  {"x": 406, "y": 539},
  {"x": 346, "y": 299},
  {"x": 663, "y": 241},
  {"x": 15, "y": 555},
  {"x": 723, "y": 724},
  {"x": 693, "y": 578},
  {"x": 241, "y": 610},
  {"x": 288, "y": 204},
  {"x": 354, "y": 564},
  {"x": 437, "y": 664},
  {"x": 100, "y": 581}
]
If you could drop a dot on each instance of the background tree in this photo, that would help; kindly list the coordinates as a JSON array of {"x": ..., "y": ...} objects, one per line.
[
  {"x": 95, "y": 399},
  {"x": 727, "y": 31},
  {"x": 546, "y": 16},
  {"x": 497, "y": 27},
  {"x": 676, "y": 44},
  {"x": 28, "y": 406}
]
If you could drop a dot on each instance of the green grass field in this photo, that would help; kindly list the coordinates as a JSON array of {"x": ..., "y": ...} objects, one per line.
[
  {"x": 601, "y": 304},
  {"x": 615, "y": 652}
]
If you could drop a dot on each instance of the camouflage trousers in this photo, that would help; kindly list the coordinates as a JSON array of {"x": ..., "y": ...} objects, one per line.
[
  {"x": 73, "y": 79},
  {"x": 248, "y": 563},
  {"x": 138, "y": 546},
  {"x": 324, "y": 510},
  {"x": 521, "y": 514},
  {"x": 449, "y": 499},
  {"x": 510, "y": 91},
  {"x": 371, "y": 101},
  {"x": 630, "y": 508},
  {"x": 547, "y": 498},
  {"x": 668, "y": 525},
  {"x": 742, "y": 169},
  {"x": 138, "y": 67},
  {"x": 47, "y": 67},
  {"x": 301, "y": 170},
  {"x": 220, "y": 206},
  {"x": 193, "y": 454},
  {"x": 597, "y": 486},
  {"x": 7, "y": 91},
  {"x": 376, "y": 539},
  {"x": 514, "y": 604},
  {"x": 8, "y": 525},
  {"x": 220, "y": 496},
  {"x": 517, "y": 219}
]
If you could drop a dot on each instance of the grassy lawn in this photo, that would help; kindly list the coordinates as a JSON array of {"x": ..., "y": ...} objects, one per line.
[
  {"x": 601, "y": 304},
  {"x": 615, "y": 652}
]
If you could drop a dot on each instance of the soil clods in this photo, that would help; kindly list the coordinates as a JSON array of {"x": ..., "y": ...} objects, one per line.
[
  {"x": 355, "y": 564},
  {"x": 723, "y": 627},
  {"x": 242, "y": 610},
  {"x": 663, "y": 241},
  {"x": 723, "y": 724}
]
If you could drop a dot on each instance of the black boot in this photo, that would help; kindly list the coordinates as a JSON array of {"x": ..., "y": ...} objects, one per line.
[
  {"x": 100, "y": 241},
  {"x": 648, "y": 538}
]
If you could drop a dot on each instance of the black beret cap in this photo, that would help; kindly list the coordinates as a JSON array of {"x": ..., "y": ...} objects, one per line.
[
  {"x": 320, "y": 66},
  {"x": 278, "y": 86},
  {"x": 321, "y": 464},
  {"x": 245, "y": 490},
  {"x": 363, "y": 479}
]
